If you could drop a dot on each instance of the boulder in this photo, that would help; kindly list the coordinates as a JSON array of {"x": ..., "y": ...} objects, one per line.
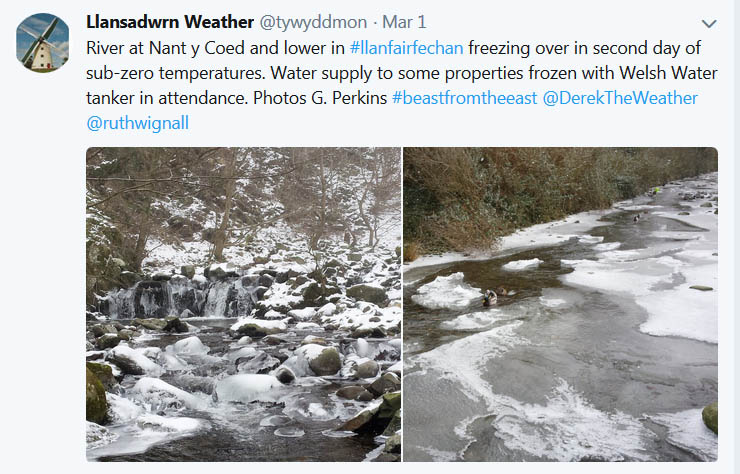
[
  {"x": 312, "y": 292},
  {"x": 394, "y": 425},
  {"x": 129, "y": 279},
  {"x": 256, "y": 328},
  {"x": 284, "y": 375},
  {"x": 710, "y": 415},
  {"x": 360, "y": 422},
  {"x": 161, "y": 276},
  {"x": 389, "y": 382},
  {"x": 107, "y": 341},
  {"x": 173, "y": 324},
  {"x": 100, "y": 329},
  {"x": 265, "y": 280},
  {"x": 188, "y": 271},
  {"x": 153, "y": 324},
  {"x": 375, "y": 419},
  {"x": 376, "y": 332},
  {"x": 104, "y": 373},
  {"x": 369, "y": 293},
  {"x": 220, "y": 271},
  {"x": 272, "y": 340},
  {"x": 701, "y": 288},
  {"x": 327, "y": 362},
  {"x": 354, "y": 257},
  {"x": 366, "y": 370},
  {"x": 393, "y": 444},
  {"x": 132, "y": 362},
  {"x": 351, "y": 392},
  {"x": 96, "y": 405}
]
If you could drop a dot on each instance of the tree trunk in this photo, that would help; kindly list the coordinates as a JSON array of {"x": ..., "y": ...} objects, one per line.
[
  {"x": 221, "y": 235},
  {"x": 141, "y": 239}
]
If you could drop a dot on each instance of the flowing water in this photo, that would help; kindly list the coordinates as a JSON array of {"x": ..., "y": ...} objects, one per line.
[
  {"x": 296, "y": 424},
  {"x": 596, "y": 350}
]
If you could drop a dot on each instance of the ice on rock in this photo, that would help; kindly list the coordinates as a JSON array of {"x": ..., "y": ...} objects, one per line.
[
  {"x": 397, "y": 367},
  {"x": 275, "y": 420},
  {"x": 151, "y": 352},
  {"x": 246, "y": 388},
  {"x": 363, "y": 348},
  {"x": 289, "y": 432},
  {"x": 158, "y": 395},
  {"x": 150, "y": 421},
  {"x": 199, "y": 279},
  {"x": 138, "y": 358},
  {"x": 518, "y": 265},
  {"x": 396, "y": 343},
  {"x": 172, "y": 362},
  {"x": 189, "y": 346},
  {"x": 98, "y": 436},
  {"x": 311, "y": 339},
  {"x": 243, "y": 352},
  {"x": 449, "y": 292},
  {"x": 121, "y": 410}
]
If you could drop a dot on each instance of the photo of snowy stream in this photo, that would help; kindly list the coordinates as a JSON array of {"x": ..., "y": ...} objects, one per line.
[
  {"x": 602, "y": 345},
  {"x": 243, "y": 304}
]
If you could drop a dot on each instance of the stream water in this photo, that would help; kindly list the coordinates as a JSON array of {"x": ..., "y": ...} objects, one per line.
[
  {"x": 297, "y": 423},
  {"x": 597, "y": 349}
]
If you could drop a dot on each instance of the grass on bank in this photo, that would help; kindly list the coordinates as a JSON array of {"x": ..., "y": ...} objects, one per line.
[{"x": 466, "y": 199}]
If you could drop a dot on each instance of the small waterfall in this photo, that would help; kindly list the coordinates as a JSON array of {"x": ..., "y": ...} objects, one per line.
[{"x": 230, "y": 297}]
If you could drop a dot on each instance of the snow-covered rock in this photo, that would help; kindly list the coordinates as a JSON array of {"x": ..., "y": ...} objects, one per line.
[
  {"x": 132, "y": 361},
  {"x": 246, "y": 387}
]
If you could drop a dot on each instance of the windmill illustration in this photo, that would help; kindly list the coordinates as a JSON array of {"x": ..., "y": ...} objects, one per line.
[{"x": 38, "y": 57}]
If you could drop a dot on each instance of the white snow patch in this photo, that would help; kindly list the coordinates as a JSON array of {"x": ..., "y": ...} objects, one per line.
[
  {"x": 246, "y": 388},
  {"x": 569, "y": 428},
  {"x": 159, "y": 395},
  {"x": 517, "y": 265},
  {"x": 687, "y": 430},
  {"x": 190, "y": 346},
  {"x": 449, "y": 292},
  {"x": 474, "y": 321}
]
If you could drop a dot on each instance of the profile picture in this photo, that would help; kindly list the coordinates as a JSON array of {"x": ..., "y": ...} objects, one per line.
[{"x": 42, "y": 42}]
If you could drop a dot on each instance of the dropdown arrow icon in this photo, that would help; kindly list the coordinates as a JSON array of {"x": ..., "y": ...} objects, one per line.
[{"x": 709, "y": 25}]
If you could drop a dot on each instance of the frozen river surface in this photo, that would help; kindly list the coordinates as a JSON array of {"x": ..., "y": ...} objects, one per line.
[{"x": 600, "y": 349}]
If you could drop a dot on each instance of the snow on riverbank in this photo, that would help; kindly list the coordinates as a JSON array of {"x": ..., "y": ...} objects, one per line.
[{"x": 539, "y": 235}]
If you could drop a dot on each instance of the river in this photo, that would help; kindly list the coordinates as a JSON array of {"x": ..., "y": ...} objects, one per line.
[{"x": 597, "y": 350}]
